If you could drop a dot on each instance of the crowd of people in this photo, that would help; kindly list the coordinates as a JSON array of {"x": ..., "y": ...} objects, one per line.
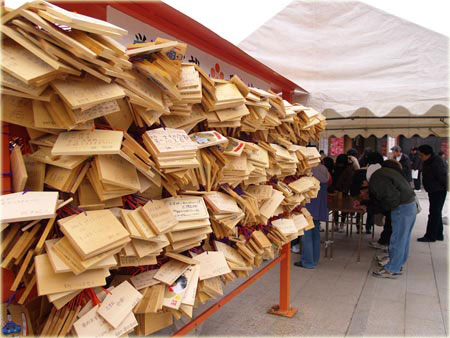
[{"x": 385, "y": 189}]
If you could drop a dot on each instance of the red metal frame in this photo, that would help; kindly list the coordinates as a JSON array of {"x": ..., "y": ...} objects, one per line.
[
  {"x": 167, "y": 19},
  {"x": 283, "y": 309}
]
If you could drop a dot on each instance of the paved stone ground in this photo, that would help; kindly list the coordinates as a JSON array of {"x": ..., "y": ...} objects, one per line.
[{"x": 340, "y": 297}]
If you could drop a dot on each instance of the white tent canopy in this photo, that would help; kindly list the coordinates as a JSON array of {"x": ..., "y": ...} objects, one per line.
[{"x": 356, "y": 60}]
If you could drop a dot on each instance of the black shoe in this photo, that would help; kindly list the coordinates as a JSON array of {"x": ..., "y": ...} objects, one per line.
[
  {"x": 425, "y": 239},
  {"x": 298, "y": 264},
  {"x": 440, "y": 239}
]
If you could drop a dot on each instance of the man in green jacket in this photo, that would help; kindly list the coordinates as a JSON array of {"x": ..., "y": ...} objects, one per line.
[{"x": 393, "y": 193}]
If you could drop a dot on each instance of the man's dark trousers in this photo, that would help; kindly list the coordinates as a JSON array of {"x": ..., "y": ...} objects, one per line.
[
  {"x": 417, "y": 181},
  {"x": 435, "y": 228},
  {"x": 385, "y": 236}
]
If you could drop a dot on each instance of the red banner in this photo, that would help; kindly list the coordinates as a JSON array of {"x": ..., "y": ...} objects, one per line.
[
  {"x": 336, "y": 146},
  {"x": 444, "y": 147}
]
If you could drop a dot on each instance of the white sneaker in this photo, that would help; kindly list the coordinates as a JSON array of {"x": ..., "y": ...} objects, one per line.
[
  {"x": 384, "y": 261},
  {"x": 385, "y": 274},
  {"x": 418, "y": 190},
  {"x": 376, "y": 245},
  {"x": 379, "y": 258},
  {"x": 295, "y": 248}
]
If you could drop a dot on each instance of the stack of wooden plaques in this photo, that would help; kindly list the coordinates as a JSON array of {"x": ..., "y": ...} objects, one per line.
[
  {"x": 308, "y": 157},
  {"x": 113, "y": 316},
  {"x": 237, "y": 264},
  {"x": 225, "y": 213},
  {"x": 193, "y": 222},
  {"x": 258, "y": 157},
  {"x": 140, "y": 173}
]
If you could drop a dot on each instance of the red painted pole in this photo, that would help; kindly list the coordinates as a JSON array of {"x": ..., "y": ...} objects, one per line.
[{"x": 284, "y": 309}]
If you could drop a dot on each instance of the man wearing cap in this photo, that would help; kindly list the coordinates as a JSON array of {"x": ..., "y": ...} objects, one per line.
[
  {"x": 435, "y": 182},
  {"x": 404, "y": 161},
  {"x": 394, "y": 194}
]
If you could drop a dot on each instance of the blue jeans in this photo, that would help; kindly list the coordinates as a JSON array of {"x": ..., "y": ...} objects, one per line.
[
  {"x": 403, "y": 219},
  {"x": 311, "y": 246}
]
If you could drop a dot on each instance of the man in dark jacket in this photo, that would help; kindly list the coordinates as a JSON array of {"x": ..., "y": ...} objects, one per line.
[
  {"x": 395, "y": 195},
  {"x": 435, "y": 182},
  {"x": 404, "y": 161},
  {"x": 416, "y": 164}
]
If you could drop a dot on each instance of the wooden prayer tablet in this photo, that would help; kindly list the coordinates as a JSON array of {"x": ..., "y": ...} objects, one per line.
[
  {"x": 302, "y": 185},
  {"x": 191, "y": 291},
  {"x": 49, "y": 282},
  {"x": 19, "y": 171},
  {"x": 230, "y": 253},
  {"x": 122, "y": 119},
  {"x": 92, "y": 232},
  {"x": 169, "y": 141},
  {"x": 22, "y": 64},
  {"x": 285, "y": 225},
  {"x": 212, "y": 264},
  {"x": 92, "y": 324},
  {"x": 115, "y": 170},
  {"x": 228, "y": 92},
  {"x": 91, "y": 91},
  {"x": 19, "y": 207},
  {"x": 232, "y": 114},
  {"x": 300, "y": 221},
  {"x": 17, "y": 110},
  {"x": 175, "y": 293},
  {"x": 222, "y": 203},
  {"x": 96, "y": 142},
  {"x": 96, "y": 111},
  {"x": 119, "y": 303},
  {"x": 261, "y": 192},
  {"x": 81, "y": 22},
  {"x": 151, "y": 49},
  {"x": 141, "y": 224},
  {"x": 10, "y": 81},
  {"x": 234, "y": 147},
  {"x": 208, "y": 138},
  {"x": 169, "y": 272},
  {"x": 144, "y": 279},
  {"x": 159, "y": 215},
  {"x": 261, "y": 239},
  {"x": 187, "y": 208},
  {"x": 268, "y": 208},
  {"x": 144, "y": 248},
  {"x": 44, "y": 155},
  {"x": 182, "y": 258},
  {"x": 60, "y": 266}
]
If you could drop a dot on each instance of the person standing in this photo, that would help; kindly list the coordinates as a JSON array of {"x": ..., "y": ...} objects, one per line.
[
  {"x": 435, "y": 182},
  {"x": 404, "y": 161},
  {"x": 395, "y": 195},
  {"x": 342, "y": 180},
  {"x": 363, "y": 159},
  {"x": 319, "y": 211},
  {"x": 322, "y": 154},
  {"x": 416, "y": 163},
  {"x": 352, "y": 157}
]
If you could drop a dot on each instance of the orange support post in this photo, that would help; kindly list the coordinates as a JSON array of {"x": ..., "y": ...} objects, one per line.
[{"x": 284, "y": 307}]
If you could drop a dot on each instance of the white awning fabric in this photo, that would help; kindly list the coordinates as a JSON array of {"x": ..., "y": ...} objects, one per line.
[
  {"x": 358, "y": 61},
  {"x": 399, "y": 122}
]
